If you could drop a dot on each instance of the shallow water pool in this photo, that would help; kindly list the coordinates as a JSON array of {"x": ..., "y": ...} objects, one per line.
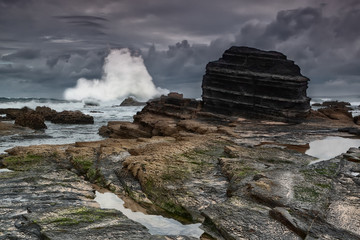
[
  {"x": 330, "y": 147},
  {"x": 157, "y": 225}
]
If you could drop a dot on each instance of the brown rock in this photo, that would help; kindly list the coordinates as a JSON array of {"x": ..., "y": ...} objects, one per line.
[
  {"x": 12, "y": 113},
  {"x": 336, "y": 113},
  {"x": 46, "y": 112},
  {"x": 31, "y": 119},
  {"x": 197, "y": 126},
  {"x": 72, "y": 117}
]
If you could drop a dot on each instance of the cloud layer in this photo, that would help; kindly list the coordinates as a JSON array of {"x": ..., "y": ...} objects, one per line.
[{"x": 46, "y": 46}]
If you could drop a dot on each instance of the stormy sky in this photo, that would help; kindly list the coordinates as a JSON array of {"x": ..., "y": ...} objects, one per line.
[{"x": 47, "y": 45}]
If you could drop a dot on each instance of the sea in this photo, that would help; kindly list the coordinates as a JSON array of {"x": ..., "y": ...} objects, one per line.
[{"x": 103, "y": 112}]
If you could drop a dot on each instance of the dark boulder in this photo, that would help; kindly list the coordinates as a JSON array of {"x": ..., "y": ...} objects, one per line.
[
  {"x": 72, "y": 117},
  {"x": 31, "y": 119}
]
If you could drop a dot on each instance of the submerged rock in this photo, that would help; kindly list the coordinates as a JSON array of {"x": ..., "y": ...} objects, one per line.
[{"x": 251, "y": 82}]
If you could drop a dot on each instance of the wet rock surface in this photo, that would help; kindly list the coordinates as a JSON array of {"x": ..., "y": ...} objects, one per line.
[
  {"x": 48, "y": 195},
  {"x": 227, "y": 179}
]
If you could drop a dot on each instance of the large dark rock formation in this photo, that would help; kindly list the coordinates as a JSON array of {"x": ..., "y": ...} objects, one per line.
[{"x": 247, "y": 81}]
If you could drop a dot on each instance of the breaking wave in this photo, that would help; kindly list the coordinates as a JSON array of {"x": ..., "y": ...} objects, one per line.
[{"x": 123, "y": 75}]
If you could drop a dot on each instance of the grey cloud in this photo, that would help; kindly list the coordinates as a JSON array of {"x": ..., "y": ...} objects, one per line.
[
  {"x": 292, "y": 22},
  {"x": 82, "y": 18},
  {"x": 53, "y": 60},
  {"x": 27, "y": 54}
]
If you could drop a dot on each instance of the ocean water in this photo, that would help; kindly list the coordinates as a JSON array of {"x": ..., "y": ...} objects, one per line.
[{"x": 64, "y": 133}]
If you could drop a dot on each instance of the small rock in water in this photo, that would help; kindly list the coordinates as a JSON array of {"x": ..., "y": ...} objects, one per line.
[{"x": 131, "y": 102}]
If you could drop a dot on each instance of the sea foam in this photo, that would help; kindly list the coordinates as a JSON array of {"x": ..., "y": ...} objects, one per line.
[{"x": 123, "y": 75}]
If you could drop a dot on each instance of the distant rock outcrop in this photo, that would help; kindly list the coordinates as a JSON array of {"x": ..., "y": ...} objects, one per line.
[
  {"x": 254, "y": 83},
  {"x": 131, "y": 102}
]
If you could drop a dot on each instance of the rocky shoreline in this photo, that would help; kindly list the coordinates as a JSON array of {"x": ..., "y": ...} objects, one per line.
[
  {"x": 241, "y": 177},
  {"x": 217, "y": 173}
]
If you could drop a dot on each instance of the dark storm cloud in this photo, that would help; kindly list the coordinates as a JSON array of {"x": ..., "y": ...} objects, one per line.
[
  {"x": 50, "y": 44},
  {"x": 22, "y": 54},
  {"x": 293, "y": 22}
]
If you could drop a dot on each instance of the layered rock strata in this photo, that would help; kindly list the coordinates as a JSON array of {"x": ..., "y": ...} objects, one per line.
[{"x": 251, "y": 82}]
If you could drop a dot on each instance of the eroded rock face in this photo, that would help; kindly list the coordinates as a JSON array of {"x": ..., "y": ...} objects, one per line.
[
  {"x": 247, "y": 81},
  {"x": 72, "y": 117},
  {"x": 31, "y": 120}
]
